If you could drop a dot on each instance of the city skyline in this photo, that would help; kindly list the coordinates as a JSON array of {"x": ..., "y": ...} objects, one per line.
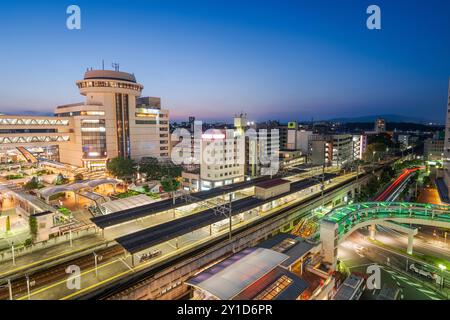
[
  {"x": 225, "y": 151},
  {"x": 236, "y": 57}
]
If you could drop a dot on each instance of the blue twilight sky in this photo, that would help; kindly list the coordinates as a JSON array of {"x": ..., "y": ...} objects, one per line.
[{"x": 273, "y": 59}]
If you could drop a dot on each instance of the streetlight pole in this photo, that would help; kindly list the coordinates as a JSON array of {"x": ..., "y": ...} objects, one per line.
[
  {"x": 13, "y": 254},
  {"x": 442, "y": 267},
  {"x": 28, "y": 287},
  {"x": 231, "y": 224},
  {"x": 96, "y": 264},
  {"x": 10, "y": 289}
]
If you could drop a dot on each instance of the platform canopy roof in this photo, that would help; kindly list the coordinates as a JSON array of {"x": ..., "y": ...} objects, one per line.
[
  {"x": 87, "y": 184},
  {"x": 228, "y": 278},
  {"x": 126, "y": 203}
]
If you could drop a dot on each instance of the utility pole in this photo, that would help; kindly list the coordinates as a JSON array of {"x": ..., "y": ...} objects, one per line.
[
  {"x": 229, "y": 236},
  {"x": 28, "y": 286},
  {"x": 96, "y": 264},
  {"x": 323, "y": 184},
  {"x": 10, "y": 289},
  {"x": 13, "y": 254}
]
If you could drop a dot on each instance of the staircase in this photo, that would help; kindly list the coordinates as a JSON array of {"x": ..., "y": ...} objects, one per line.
[{"x": 27, "y": 155}]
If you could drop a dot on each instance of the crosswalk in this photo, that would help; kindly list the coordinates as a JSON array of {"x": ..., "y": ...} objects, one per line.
[{"x": 401, "y": 278}]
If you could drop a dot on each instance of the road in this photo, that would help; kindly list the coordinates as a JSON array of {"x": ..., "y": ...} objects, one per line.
[
  {"x": 392, "y": 191},
  {"x": 423, "y": 243},
  {"x": 357, "y": 254}
]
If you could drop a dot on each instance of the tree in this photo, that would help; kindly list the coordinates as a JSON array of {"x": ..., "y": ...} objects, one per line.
[
  {"x": 154, "y": 169},
  {"x": 33, "y": 226},
  {"x": 60, "y": 179},
  {"x": 32, "y": 184},
  {"x": 151, "y": 168},
  {"x": 374, "y": 151},
  {"x": 121, "y": 168},
  {"x": 170, "y": 184},
  {"x": 8, "y": 224}
]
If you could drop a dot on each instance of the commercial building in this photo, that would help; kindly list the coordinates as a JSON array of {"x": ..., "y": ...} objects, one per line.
[
  {"x": 262, "y": 148},
  {"x": 359, "y": 142},
  {"x": 331, "y": 150},
  {"x": 433, "y": 149},
  {"x": 293, "y": 138},
  {"x": 282, "y": 267},
  {"x": 222, "y": 158},
  {"x": 404, "y": 141},
  {"x": 112, "y": 121}
]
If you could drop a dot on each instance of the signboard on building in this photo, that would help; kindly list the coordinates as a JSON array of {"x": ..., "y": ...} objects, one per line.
[{"x": 292, "y": 125}]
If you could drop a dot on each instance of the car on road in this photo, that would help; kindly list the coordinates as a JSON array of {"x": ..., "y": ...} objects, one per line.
[
  {"x": 421, "y": 270},
  {"x": 360, "y": 250}
]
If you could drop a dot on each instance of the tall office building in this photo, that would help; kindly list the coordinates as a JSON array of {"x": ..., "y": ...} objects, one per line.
[
  {"x": 331, "y": 150},
  {"x": 113, "y": 121}
]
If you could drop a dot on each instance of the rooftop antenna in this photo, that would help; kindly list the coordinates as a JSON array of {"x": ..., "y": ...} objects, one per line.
[
  {"x": 115, "y": 66},
  {"x": 103, "y": 64}
]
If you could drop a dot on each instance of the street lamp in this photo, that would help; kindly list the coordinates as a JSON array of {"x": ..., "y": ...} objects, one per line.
[
  {"x": 13, "y": 253},
  {"x": 96, "y": 264},
  {"x": 442, "y": 267}
]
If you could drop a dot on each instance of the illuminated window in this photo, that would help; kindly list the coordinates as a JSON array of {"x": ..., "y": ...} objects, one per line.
[{"x": 275, "y": 288}]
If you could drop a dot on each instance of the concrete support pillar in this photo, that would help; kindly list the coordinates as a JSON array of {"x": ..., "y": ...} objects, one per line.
[
  {"x": 410, "y": 243},
  {"x": 372, "y": 230}
]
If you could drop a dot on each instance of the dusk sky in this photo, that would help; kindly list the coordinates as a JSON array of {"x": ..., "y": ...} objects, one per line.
[{"x": 281, "y": 60}]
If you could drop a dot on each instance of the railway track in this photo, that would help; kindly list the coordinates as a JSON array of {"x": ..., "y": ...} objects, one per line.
[{"x": 57, "y": 273}]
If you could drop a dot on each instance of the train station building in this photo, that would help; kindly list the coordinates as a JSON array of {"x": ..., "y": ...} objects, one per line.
[{"x": 112, "y": 121}]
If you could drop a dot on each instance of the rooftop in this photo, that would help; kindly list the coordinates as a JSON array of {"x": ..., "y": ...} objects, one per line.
[
  {"x": 271, "y": 183},
  {"x": 230, "y": 277},
  {"x": 278, "y": 284},
  {"x": 109, "y": 74},
  {"x": 290, "y": 245},
  {"x": 130, "y": 202}
]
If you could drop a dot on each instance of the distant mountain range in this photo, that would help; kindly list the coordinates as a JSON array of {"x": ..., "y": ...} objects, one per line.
[
  {"x": 30, "y": 113},
  {"x": 387, "y": 117},
  {"x": 361, "y": 119}
]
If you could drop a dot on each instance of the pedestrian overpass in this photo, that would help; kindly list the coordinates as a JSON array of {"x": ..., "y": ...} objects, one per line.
[{"x": 338, "y": 224}]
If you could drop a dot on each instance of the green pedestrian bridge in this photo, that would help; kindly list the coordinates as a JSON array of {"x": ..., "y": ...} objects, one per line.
[{"x": 342, "y": 221}]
